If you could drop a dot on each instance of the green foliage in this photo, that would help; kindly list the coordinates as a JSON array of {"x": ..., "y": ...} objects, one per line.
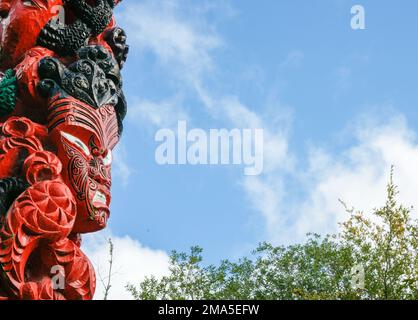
[
  {"x": 383, "y": 244},
  {"x": 386, "y": 245}
]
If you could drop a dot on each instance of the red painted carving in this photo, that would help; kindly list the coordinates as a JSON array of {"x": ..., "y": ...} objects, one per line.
[{"x": 56, "y": 147}]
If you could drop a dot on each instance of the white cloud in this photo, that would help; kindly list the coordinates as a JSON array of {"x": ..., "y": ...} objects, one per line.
[
  {"x": 132, "y": 262},
  {"x": 174, "y": 32},
  {"x": 162, "y": 114},
  {"x": 359, "y": 174}
]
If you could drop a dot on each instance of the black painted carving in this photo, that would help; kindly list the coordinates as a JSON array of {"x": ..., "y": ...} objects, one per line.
[
  {"x": 121, "y": 109},
  {"x": 10, "y": 189},
  {"x": 104, "y": 60},
  {"x": 96, "y": 17},
  {"x": 110, "y": 67},
  {"x": 116, "y": 38},
  {"x": 90, "y": 79},
  {"x": 64, "y": 39}
]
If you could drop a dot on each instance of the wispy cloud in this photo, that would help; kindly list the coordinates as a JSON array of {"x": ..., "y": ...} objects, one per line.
[
  {"x": 122, "y": 171},
  {"x": 174, "y": 32},
  {"x": 293, "y": 60},
  {"x": 160, "y": 114}
]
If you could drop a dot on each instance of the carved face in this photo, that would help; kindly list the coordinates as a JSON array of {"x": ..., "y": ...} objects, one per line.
[
  {"x": 84, "y": 138},
  {"x": 20, "y": 24}
]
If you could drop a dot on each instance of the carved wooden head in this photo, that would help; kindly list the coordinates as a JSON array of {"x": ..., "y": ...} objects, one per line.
[{"x": 84, "y": 138}]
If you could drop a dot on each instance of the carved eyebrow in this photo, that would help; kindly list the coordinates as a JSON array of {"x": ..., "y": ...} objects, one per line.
[{"x": 77, "y": 142}]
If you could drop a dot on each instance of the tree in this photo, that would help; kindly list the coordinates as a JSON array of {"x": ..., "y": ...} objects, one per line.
[
  {"x": 386, "y": 245},
  {"x": 383, "y": 246}
]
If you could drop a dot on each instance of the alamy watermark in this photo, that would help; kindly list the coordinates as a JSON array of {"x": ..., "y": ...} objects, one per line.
[
  {"x": 58, "y": 277},
  {"x": 213, "y": 147},
  {"x": 357, "y": 277},
  {"x": 358, "y": 20}
]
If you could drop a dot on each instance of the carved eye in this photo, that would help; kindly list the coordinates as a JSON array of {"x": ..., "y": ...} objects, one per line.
[
  {"x": 77, "y": 142},
  {"x": 4, "y": 10},
  {"x": 107, "y": 161},
  {"x": 29, "y": 3}
]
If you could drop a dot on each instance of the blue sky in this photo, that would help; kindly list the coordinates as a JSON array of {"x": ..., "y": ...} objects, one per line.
[{"x": 338, "y": 106}]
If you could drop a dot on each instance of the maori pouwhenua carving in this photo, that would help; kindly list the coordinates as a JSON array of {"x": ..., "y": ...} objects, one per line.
[{"x": 61, "y": 114}]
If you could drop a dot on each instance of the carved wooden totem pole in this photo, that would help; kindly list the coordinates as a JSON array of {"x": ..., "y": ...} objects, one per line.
[{"x": 61, "y": 113}]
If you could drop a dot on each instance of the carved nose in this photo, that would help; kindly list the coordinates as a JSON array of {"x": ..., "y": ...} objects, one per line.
[{"x": 102, "y": 178}]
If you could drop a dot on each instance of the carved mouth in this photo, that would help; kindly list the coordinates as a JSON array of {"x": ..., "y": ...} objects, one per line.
[
  {"x": 99, "y": 198},
  {"x": 100, "y": 207}
]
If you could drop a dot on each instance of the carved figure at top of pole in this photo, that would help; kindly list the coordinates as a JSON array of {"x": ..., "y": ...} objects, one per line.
[
  {"x": 61, "y": 113},
  {"x": 35, "y": 29}
]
